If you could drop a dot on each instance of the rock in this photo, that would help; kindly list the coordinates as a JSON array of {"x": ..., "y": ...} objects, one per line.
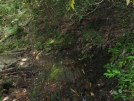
[{"x": 1, "y": 67}]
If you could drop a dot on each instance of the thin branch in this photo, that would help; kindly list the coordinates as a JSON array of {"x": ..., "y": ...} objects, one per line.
[
  {"x": 95, "y": 7},
  {"x": 96, "y": 3},
  {"x": 93, "y": 10}
]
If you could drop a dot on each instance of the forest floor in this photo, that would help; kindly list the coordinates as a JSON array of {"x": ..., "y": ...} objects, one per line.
[
  {"x": 81, "y": 80},
  {"x": 28, "y": 74},
  {"x": 23, "y": 68}
]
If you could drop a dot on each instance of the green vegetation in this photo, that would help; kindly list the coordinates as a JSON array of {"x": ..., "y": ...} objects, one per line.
[
  {"x": 122, "y": 66},
  {"x": 79, "y": 28},
  {"x": 12, "y": 16}
]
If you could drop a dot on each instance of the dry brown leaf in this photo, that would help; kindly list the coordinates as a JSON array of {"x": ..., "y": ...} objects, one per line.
[{"x": 92, "y": 94}]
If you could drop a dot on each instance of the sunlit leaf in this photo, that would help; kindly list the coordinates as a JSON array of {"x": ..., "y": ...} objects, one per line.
[
  {"x": 72, "y": 4},
  {"x": 92, "y": 94},
  {"x": 127, "y": 2},
  {"x": 52, "y": 41},
  {"x": 83, "y": 71}
]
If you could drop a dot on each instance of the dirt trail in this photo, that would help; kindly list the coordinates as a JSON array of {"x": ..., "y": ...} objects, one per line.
[{"x": 29, "y": 75}]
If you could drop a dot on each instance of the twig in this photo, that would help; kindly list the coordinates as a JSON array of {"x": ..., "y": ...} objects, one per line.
[
  {"x": 97, "y": 3},
  {"x": 92, "y": 10},
  {"x": 27, "y": 22},
  {"x": 95, "y": 7}
]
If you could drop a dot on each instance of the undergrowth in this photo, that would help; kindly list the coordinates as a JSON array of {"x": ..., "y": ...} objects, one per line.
[{"x": 122, "y": 66}]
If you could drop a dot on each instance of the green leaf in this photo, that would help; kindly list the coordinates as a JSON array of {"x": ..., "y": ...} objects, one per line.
[
  {"x": 118, "y": 44},
  {"x": 54, "y": 74},
  {"x": 130, "y": 57},
  {"x": 114, "y": 51},
  {"x": 109, "y": 75},
  {"x": 132, "y": 49},
  {"x": 108, "y": 71},
  {"x": 128, "y": 80},
  {"x": 116, "y": 71},
  {"x": 115, "y": 93},
  {"x": 132, "y": 94},
  {"x": 80, "y": 17},
  {"x": 120, "y": 91},
  {"x": 120, "y": 63}
]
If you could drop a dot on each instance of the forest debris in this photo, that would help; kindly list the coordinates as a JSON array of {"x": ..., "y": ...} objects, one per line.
[
  {"x": 83, "y": 71},
  {"x": 92, "y": 94},
  {"x": 27, "y": 22},
  {"x": 18, "y": 52},
  {"x": 7, "y": 71},
  {"x": 12, "y": 63},
  {"x": 74, "y": 92},
  {"x": 6, "y": 98}
]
